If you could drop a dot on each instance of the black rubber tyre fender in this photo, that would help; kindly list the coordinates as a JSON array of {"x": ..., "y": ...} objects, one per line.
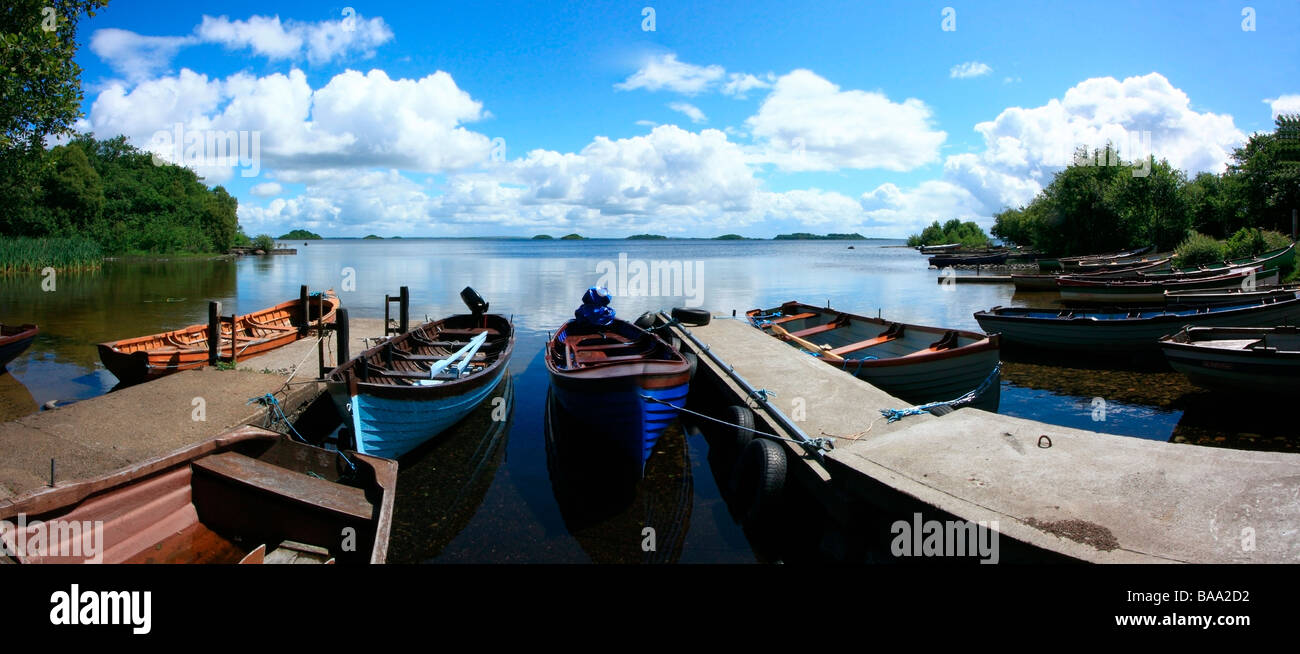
[
  {"x": 689, "y": 316},
  {"x": 762, "y": 480},
  {"x": 744, "y": 417},
  {"x": 646, "y": 321}
]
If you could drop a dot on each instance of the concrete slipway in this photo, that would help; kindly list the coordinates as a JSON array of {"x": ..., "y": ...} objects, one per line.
[
  {"x": 1088, "y": 496},
  {"x": 102, "y": 434}
]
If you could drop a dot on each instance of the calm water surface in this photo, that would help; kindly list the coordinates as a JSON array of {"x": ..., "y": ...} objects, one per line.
[{"x": 487, "y": 491}]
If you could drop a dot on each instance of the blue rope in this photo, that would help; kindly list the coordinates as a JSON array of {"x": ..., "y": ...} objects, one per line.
[
  {"x": 898, "y": 414},
  {"x": 275, "y": 413}
]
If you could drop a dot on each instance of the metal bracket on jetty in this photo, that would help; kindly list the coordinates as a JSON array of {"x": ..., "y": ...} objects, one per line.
[{"x": 815, "y": 446}]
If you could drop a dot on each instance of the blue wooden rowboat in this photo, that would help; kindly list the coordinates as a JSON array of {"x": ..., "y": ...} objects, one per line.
[
  {"x": 14, "y": 340},
  {"x": 1108, "y": 329},
  {"x": 621, "y": 383},
  {"x": 403, "y": 392}
]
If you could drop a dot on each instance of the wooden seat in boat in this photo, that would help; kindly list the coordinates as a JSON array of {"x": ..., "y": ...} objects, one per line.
[
  {"x": 893, "y": 332},
  {"x": 272, "y": 479},
  {"x": 839, "y": 321},
  {"x": 784, "y": 319}
]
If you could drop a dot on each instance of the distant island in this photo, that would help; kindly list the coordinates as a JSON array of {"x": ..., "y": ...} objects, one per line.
[
  {"x": 805, "y": 236},
  {"x": 647, "y": 237},
  {"x": 572, "y": 237},
  {"x": 371, "y": 236},
  {"x": 301, "y": 235},
  {"x": 730, "y": 237},
  {"x": 543, "y": 237}
]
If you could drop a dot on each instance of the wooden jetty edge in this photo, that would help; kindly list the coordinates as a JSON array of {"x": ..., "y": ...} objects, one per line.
[
  {"x": 1089, "y": 496},
  {"x": 106, "y": 433}
]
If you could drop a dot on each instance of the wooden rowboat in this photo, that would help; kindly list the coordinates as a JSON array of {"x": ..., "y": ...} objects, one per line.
[
  {"x": 939, "y": 249},
  {"x": 14, "y": 340},
  {"x": 1076, "y": 290},
  {"x": 1246, "y": 360},
  {"x": 980, "y": 259},
  {"x": 622, "y": 383},
  {"x": 143, "y": 358},
  {"x": 914, "y": 363},
  {"x": 1231, "y": 296},
  {"x": 247, "y": 496},
  {"x": 1047, "y": 282},
  {"x": 1071, "y": 264},
  {"x": 1123, "y": 328},
  {"x": 405, "y": 391}
]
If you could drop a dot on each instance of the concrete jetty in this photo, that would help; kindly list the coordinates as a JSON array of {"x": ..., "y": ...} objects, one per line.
[
  {"x": 102, "y": 434},
  {"x": 1079, "y": 494}
]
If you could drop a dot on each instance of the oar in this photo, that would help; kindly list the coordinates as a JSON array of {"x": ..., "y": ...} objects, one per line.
[
  {"x": 824, "y": 351},
  {"x": 470, "y": 347}
]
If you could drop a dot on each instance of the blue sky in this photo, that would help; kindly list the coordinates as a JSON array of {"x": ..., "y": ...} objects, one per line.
[{"x": 521, "y": 118}]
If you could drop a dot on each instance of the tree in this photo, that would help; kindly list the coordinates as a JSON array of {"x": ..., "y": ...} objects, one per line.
[{"x": 40, "y": 94}]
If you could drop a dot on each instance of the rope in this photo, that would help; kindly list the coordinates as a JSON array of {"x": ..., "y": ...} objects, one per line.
[
  {"x": 820, "y": 443},
  {"x": 898, "y": 414},
  {"x": 275, "y": 413}
]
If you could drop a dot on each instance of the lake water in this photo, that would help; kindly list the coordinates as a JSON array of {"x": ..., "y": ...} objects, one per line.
[{"x": 486, "y": 493}]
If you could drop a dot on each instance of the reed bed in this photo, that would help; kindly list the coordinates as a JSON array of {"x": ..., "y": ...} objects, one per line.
[{"x": 32, "y": 255}]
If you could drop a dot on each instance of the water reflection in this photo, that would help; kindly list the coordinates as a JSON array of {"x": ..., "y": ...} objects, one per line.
[
  {"x": 442, "y": 484},
  {"x": 615, "y": 518},
  {"x": 15, "y": 400}
]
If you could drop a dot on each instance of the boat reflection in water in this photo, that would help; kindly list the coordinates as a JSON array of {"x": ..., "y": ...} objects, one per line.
[
  {"x": 607, "y": 509},
  {"x": 442, "y": 483}
]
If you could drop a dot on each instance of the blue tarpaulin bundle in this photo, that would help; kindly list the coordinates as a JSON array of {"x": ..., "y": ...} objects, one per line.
[{"x": 595, "y": 309}]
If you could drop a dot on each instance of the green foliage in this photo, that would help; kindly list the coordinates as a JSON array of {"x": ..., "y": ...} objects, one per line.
[
  {"x": 27, "y": 255},
  {"x": 1247, "y": 242},
  {"x": 543, "y": 237},
  {"x": 646, "y": 237},
  {"x": 302, "y": 235},
  {"x": 113, "y": 193},
  {"x": 371, "y": 237},
  {"x": 805, "y": 236},
  {"x": 729, "y": 237},
  {"x": 967, "y": 233},
  {"x": 571, "y": 237},
  {"x": 264, "y": 242},
  {"x": 1199, "y": 249}
]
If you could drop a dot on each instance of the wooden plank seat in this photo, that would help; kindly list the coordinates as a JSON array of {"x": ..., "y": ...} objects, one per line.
[
  {"x": 838, "y": 322},
  {"x": 893, "y": 332},
  {"x": 797, "y": 316},
  {"x": 272, "y": 479}
]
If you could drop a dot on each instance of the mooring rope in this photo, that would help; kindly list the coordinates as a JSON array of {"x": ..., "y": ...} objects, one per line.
[
  {"x": 820, "y": 443},
  {"x": 275, "y": 414},
  {"x": 898, "y": 414}
]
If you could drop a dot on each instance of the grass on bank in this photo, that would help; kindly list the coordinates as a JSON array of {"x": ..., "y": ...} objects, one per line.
[{"x": 31, "y": 255}]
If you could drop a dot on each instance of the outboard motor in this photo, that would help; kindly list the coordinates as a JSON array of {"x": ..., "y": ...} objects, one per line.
[
  {"x": 474, "y": 301},
  {"x": 595, "y": 308}
]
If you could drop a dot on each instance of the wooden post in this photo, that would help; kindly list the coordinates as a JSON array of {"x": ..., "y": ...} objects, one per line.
[
  {"x": 1293, "y": 224},
  {"x": 306, "y": 310},
  {"x": 214, "y": 333},
  {"x": 404, "y": 306},
  {"x": 234, "y": 340},
  {"x": 388, "y": 299},
  {"x": 341, "y": 332}
]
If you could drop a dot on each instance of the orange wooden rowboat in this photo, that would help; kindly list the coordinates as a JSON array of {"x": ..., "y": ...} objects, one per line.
[{"x": 143, "y": 358}]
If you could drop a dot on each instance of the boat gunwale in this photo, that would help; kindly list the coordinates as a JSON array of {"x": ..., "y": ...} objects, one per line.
[{"x": 984, "y": 342}]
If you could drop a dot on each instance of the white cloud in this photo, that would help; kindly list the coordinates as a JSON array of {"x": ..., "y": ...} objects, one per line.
[
  {"x": 690, "y": 110},
  {"x": 319, "y": 41},
  {"x": 1284, "y": 104},
  {"x": 969, "y": 69},
  {"x": 738, "y": 84},
  {"x": 353, "y": 120},
  {"x": 135, "y": 56},
  {"x": 666, "y": 72},
  {"x": 808, "y": 123},
  {"x": 266, "y": 189},
  {"x": 669, "y": 181},
  {"x": 1025, "y": 147}
]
